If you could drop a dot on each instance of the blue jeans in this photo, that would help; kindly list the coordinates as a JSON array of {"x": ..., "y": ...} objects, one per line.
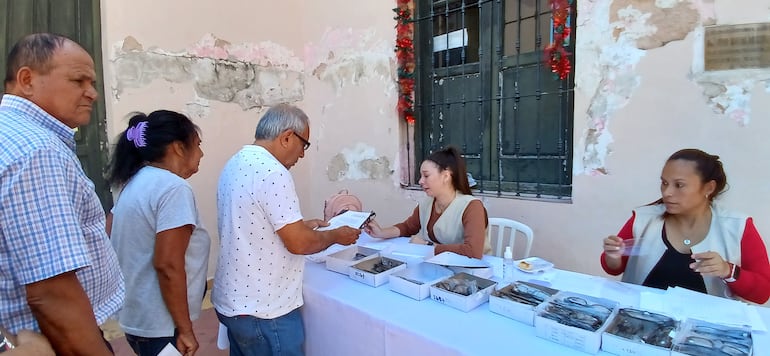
[
  {"x": 149, "y": 346},
  {"x": 251, "y": 336}
]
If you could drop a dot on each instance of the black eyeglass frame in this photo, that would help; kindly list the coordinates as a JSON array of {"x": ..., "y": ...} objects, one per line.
[
  {"x": 644, "y": 326},
  {"x": 304, "y": 141},
  {"x": 712, "y": 340}
]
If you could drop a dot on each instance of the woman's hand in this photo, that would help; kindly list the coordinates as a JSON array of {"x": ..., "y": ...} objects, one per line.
[
  {"x": 417, "y": 240},
  {"x": 186, "y": 343},
  {"x": 373, "y": 229},
  {"x": 613, "y": 252},
  {"x": 710, "y": 264},
  {"x": 613, "y": 247}
]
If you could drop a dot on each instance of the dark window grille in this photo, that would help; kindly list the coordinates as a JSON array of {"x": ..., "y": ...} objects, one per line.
[{"x": 482, "y": 85}]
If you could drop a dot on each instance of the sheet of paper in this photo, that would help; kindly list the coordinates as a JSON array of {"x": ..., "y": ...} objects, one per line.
[
  {"x": 652, "y": 301},
  {"x": 354, "y": 219},
  {"x": 448, "y": 258},
  {"x": 755, "y": 320},
  {"x": 620, "y": 292},
  {"x": 320, "y": 257},
  {"x": 681, "y": 303},
  {"x": 222, "y": 341},
  {"x": 577, "y": 283},
  {"x": 169, "y": 350}
]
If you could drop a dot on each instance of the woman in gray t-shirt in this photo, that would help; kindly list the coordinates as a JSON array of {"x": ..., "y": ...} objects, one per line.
[{"x": 157, "y": 233}]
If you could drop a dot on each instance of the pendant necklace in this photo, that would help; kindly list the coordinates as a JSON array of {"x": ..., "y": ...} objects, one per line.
[{"x": 687, "y": 242}]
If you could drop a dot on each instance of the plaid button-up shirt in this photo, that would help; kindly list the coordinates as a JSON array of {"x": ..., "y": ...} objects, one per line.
[{"x": 51, "y": 221}]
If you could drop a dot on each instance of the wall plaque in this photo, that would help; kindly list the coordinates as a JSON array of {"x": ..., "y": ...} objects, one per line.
[{"x": 737, "y": 46}]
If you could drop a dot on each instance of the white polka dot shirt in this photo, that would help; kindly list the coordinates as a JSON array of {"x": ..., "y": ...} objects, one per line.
[{"x": 256, "y": 275}]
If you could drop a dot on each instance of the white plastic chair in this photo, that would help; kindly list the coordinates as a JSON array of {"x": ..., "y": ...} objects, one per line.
[{"x": 503, "y": 224}]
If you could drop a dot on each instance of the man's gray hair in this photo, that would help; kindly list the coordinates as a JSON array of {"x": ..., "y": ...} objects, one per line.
[
  {"x": 34, "y": 51},
  {"x": 280, "y": 118}
]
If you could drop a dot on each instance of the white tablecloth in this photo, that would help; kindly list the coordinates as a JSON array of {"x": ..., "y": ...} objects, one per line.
[{"x": 346, "y": 317}]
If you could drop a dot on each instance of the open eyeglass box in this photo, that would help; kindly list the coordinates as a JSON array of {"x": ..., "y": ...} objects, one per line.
[
  {"x": 574, "y": 320},
  {"x": 341, "y": 260},
  {"x": 697, "y": 337},
  {"x": 415, "y": 281},
  {"x": 639, "y": 332},
  {"x": 518, "y": 300},
  {"x": 375, "y": 271},
  {"x": 462, "y": 291}
]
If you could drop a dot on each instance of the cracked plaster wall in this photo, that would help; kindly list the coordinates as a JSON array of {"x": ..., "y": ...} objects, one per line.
[
  {"x": 264, "y": 74},
  {"x": 250, "y": 75},
  {"x": 358, "y": 162},
  {"x": 345, "y": 57},
  {"x": 614, "y": 36}
]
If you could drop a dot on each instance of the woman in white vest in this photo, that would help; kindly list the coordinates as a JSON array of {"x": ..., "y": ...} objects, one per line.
[
  {"x": 449, "y": 217},
  {"x": 684, "y": 240}
]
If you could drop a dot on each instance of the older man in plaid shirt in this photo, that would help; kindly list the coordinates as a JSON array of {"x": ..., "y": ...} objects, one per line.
[{"x": 58, "y": 272}]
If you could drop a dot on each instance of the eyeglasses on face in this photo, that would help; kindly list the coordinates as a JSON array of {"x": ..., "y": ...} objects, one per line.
[{"x": 304, "y": 141}]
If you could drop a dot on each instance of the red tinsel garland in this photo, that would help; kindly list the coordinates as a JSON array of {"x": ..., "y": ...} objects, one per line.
[
  {"x": 405, "y": 59},
  {"x": 555, "y": 54}
]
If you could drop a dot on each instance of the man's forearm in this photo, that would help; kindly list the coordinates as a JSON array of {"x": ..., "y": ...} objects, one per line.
[{"x": 65, "y": 316}]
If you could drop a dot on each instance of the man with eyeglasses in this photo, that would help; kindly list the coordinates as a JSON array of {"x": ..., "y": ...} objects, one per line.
[{"x": 258, "y": 283}]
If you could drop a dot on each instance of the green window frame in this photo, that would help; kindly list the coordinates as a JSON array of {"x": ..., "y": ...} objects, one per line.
[{"x": 482, "y": 85}]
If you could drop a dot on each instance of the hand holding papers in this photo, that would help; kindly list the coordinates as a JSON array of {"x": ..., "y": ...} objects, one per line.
[{"x": 354, "y": 219}]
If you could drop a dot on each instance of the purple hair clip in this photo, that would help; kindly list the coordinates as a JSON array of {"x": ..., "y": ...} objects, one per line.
[{"x": 136, "y": 134}]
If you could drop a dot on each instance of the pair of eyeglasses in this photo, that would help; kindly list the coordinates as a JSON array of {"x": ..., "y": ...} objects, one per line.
[
  {"x": 696, "y": 345},
  {"x": 459, "y": 285},
  {"x": 304, "y": 141},
  {"x": 571, "y": 317},
  {"x": 643, "y": 326},
  {"x": 710, "y": 340},
  {"x": 523, "y": 293},
  {"x": 732, "y": 334},
  {"x": 576, "y": 303}
]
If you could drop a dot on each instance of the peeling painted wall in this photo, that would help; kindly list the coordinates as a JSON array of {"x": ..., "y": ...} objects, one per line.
[
  {"x": 727, "y": 93},
  {"x": 614, "y": 36},
  {"x": 358, "y": 162},
  {"x": 250, "y": 75},
  {"x": 349, "y": 57}
]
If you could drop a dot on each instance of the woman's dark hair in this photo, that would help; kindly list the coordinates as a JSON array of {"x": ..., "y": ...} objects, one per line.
[
  {"x": 708, "y": 167},
  {"x": 145, "y": 140},
  {"x": 451, "y": 159}
]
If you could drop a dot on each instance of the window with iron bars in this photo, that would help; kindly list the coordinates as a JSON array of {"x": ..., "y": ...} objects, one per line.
[{"x": 482, "y": 85}]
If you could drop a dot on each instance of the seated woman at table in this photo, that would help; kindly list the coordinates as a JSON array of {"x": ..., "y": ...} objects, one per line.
[
  {"x": 449, "y": 217},
  {"x": 684, "y": 240}
]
